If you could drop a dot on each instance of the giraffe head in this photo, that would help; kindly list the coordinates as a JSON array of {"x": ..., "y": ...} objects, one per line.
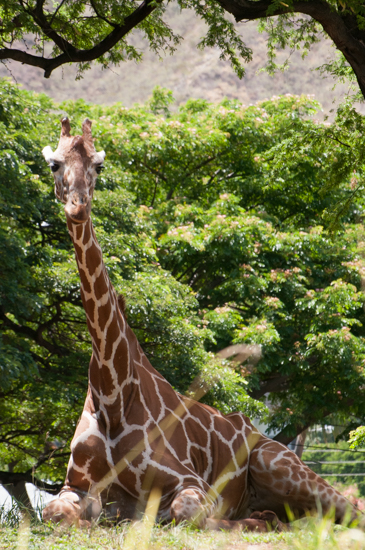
[{"x": 75, "y": 165}]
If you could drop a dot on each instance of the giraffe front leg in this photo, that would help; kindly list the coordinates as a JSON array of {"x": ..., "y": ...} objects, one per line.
[
  {"x": 193, "y": 505},
  {"x": 65, "y": 508},
  {"x": 72, "y": 509},
  {"x": 190, "y": 504}
]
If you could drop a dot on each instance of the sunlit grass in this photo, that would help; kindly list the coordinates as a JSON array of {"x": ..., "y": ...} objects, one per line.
[
  {"x": 20, "y": 531},
  {"x": 307, "y": 534}
]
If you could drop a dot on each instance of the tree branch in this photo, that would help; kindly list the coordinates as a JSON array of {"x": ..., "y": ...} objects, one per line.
[
  {"x": 70, "y": 53},
  {"x": 274, "y": 384},
  {"x": 153, "y": 171},
  {"x": 36, "y": 335},
  {"x": 290, "y": 432},
  {"x": 188, "y": 174},
  {"x": 331, "y": 136},
  {"x": 343, "y": 29},
  {"x": 101, "y": 16}
]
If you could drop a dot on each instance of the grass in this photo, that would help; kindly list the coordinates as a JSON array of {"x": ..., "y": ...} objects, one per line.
[
  {"x": 20, "y": 531},
  {"x": 307, "y": 534}
]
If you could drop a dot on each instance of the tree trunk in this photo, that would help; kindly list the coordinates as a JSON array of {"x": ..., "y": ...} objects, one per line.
[{"x": 299, "y": 443}]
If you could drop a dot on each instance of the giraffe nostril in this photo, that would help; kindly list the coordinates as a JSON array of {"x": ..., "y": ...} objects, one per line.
[{"x": 79, "y": 200}]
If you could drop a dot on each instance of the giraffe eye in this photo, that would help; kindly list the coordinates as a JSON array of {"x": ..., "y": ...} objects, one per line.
[
  {"x": 99, "y": 168},
  {"x": 54, "y": 166}
]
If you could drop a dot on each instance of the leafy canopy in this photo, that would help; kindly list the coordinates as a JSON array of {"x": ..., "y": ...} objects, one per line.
[{"x": 214, "y": 223}]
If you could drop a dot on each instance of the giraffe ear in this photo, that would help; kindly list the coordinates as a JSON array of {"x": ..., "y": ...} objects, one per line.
[
  {"x": 47, "y": 153},
  {"x": 86, "y": 128},
  {"x": 66, "y": 127},
  {"x": 99, "y": 157}
]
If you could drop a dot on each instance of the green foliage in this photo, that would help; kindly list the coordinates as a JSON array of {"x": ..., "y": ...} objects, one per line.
[
  {"x": 48, "y": 35},
  {"x": 101, "y": 31},
  {"x": 357, "y": 437},
  {"x": 215, "y": 225},
  {"x": 241, "y": 199},
  {"x": 96, "y": 22},
  {"x": 221, "y": 33},
  {"x": 45, "y": 347},
  {"x": 297, "y": 33}
]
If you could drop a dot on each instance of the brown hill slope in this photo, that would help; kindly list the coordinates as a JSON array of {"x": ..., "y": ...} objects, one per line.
[{"x": 189, "y": 73}]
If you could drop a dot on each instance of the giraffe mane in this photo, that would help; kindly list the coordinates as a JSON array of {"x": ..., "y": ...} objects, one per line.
[{"x": 122, "y": 304}]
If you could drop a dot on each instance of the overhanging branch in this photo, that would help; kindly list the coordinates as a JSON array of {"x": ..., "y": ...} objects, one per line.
[
  {"x": 342, "y": 28},
  {"x": 70, "y": 54},
  {"x": 289, "y": 433},
  {"x": 35, "y": 335},
  {"x": 276, "y": 383}
]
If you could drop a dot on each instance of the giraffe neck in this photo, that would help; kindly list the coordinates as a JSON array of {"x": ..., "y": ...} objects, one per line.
[{"x": 111, "y": 364}]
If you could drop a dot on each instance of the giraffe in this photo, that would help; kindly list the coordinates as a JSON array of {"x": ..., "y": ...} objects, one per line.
[{"x": 136, "y": 434}]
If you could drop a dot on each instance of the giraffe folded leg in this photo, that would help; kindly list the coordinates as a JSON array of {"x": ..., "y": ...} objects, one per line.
[
  {"x": 191, "y": 505},
  {"x": 278, "y": 478},
  {"x": 71, "y": 509}
]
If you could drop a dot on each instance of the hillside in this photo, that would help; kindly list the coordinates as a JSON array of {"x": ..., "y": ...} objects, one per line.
[{"x": 189, "y": 73}]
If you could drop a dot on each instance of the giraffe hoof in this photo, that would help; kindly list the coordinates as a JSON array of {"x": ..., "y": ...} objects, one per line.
[
  {"x": 251, "y": 524},
  {"x": 84, "y": 524},
  {"x": 271, "y": 520}
]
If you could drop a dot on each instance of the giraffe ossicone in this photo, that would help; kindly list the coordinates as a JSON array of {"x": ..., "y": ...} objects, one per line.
[{"x": 136, "y": 434}]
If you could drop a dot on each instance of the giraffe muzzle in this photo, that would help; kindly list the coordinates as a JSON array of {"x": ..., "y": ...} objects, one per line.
[{"x": 78, "y": 207}]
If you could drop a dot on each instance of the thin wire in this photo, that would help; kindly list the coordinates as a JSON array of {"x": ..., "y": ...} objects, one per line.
[
  {"x": 334, "y": 461},
  {"x": 341, "y": 475},
  {"x": 327, "y": 449}
]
